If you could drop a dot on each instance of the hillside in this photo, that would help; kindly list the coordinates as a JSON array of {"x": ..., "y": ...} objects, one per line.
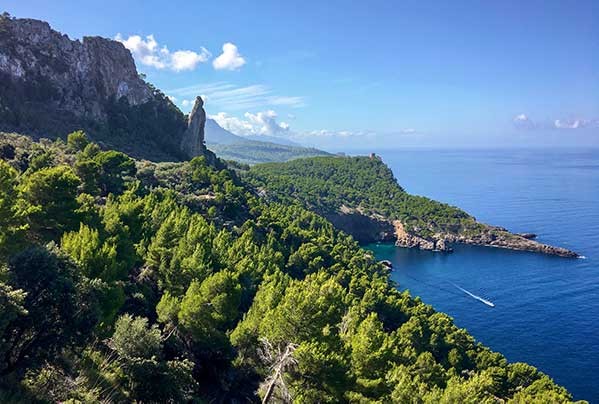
[
  {"x": 132, "y": 281},
  {"x": 361, "y": 196},
  {"x": 252, "y": 150}
]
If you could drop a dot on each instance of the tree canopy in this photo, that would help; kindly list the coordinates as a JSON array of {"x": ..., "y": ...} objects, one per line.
[{"x": 131, "y": 281}]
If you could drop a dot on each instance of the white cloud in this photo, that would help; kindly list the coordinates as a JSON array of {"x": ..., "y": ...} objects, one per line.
[
  {"x": 230, "y": 59},
  {"x": 571, "y": 124},
  {"x": 186, "y": 103},
  {"x": 229, "y": 97},
  {"x": 267, "y": 123},
  {"x": 188, "y": 60},
  {"x": 149, "y": 53},
  {"x": 521, "y": 118},
  {"x": 261, "y": 123},
  {"x": 522, "y": 121}
]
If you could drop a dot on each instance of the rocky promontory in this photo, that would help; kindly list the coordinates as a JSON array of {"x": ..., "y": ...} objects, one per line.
[
  {"x": 361, "y": 196},
  {"x": 377, "y": 228}
]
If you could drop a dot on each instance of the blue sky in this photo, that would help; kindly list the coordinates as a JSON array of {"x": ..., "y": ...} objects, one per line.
[{"x": 347, "y": 74}]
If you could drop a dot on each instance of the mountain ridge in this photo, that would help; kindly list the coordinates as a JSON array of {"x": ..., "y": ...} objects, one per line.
[
  {"x": 51, "y": 85},
  {"x": 250, "y": 149}
]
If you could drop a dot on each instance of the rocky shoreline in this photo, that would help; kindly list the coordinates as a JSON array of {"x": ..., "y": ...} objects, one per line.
[{"x": 375, "y": 228}]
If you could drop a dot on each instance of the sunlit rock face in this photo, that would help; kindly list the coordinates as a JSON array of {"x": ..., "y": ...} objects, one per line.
[
  {"x": 79, "y": 75},
  {"x": 51, "y": 85}
]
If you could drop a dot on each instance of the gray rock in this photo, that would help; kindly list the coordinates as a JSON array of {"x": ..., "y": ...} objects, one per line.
[
  {"x": 192, "y": 143},
  {"x": 84, "y": 74},
  {"x": 52, "y": 85}
]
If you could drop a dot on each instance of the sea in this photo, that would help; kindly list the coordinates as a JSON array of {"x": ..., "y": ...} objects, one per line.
[{"x": 546, "y": 309}]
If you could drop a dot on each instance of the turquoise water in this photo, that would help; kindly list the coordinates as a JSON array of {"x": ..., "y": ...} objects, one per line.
[{"x": 546, "y": 308}]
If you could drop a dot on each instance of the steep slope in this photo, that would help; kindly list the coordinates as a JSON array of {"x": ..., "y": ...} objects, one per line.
[
  {"x": 129, "y": 281},
  {"x": 51, "y": 85},
  {"x": 361, "y": 196}
]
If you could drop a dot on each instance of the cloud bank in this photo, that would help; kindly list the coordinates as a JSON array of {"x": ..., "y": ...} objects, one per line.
[
  {"x": 261, "y": 123},
  {"x": 267, "y": 123},
  {"x": 523, "y": 121},
  {"x": 149, "y": 53}
]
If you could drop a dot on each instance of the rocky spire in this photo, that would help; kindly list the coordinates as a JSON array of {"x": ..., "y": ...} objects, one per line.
[{"x": 192, "y": 143}]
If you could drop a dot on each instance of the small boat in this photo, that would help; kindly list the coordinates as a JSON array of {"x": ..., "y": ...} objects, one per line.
[{"x": 387, "y": 264}]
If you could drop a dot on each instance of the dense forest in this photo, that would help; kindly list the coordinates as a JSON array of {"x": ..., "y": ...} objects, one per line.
[
  {"x": 130, "y": 281},
  {"x": 324, "y": 184}
]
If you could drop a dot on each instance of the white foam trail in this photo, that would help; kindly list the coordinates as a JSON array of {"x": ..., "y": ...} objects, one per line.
[
  {"x": 485, "y": 301},
  {"x": 582, "y": 257}
]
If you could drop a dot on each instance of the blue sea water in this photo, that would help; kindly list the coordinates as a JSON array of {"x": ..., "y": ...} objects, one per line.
[{"x": 546, "y": 308}]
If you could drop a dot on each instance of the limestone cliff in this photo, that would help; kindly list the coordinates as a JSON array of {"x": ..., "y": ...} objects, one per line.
[
  {"x": 51, "y": 85},
  {"x": 192, "y": 143}
]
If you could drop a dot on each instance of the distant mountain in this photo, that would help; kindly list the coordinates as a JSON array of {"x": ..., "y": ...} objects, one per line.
[
  {"x": 218, "y": 134},
  {"x": 273, "y": 139},
  {"x": 253, "y": 149},
  {"x": 215, "y": 134}
]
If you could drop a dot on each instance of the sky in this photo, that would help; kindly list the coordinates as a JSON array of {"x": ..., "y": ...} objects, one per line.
[{"x": 345, "y": 75}]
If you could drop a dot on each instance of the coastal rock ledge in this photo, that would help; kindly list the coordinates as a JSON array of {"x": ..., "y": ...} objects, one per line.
[{"x": 376, "y": 228}]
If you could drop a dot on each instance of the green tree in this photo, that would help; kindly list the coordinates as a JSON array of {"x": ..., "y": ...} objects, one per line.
[
  {"x": 58, "y": 313},
  {"x": 148, "y": 376},
  {"x": 12, "y": 211},
  {"x": 53, "y": 193},
  {"x": 77, "y": 141},
  {"x": 96, "y": 259},
  {"x": 210, "y": 308},
  {"x": 114, "y": 167},
  {"x": 11, "y": 308}
]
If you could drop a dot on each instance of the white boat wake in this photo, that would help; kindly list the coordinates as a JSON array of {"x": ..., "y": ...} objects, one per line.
[{"x": 480, "y": 299}]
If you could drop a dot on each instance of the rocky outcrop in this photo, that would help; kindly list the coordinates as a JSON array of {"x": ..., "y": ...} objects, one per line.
[
  {"x": 192, "y": 143},
  {"x": 407, "y": 240},
  {"x": 494, "y": 237},
  {"x": 363, "y": 228},
  {"x": 80, "y": 75},
  {"x": 374, "y": 228},
  {"x": 51, "y": 85}
]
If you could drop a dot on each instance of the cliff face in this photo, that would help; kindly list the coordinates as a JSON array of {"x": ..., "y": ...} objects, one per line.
[
  {"x": 83, "y": 74},
  {"x": 51, "y": 85},
  {"x": 369, "y": 229},
  {"x": 193, "y": 137}
]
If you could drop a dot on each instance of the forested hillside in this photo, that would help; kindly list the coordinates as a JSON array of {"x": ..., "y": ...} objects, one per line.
[
  {"x": 363, "y": 186},
  {"x": 130, "y": 281},
  {"x": 365, "y": 183}
]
